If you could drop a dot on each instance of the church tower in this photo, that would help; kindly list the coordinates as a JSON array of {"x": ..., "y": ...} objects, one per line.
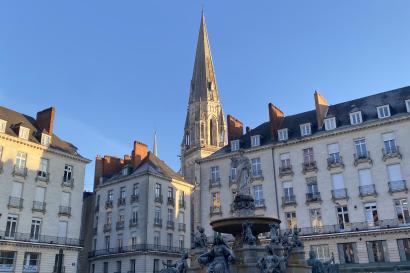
[{"x": 205, "y": 125}]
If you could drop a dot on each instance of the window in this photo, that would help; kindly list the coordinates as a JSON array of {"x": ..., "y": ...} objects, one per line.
[
  {"x": 68, "y": 173},
  {"x": 402, "y": 211},
  {"x": 255, "y": 141},
  {"x": 215, "y": 174},
  {"x": 43, "y": 170},
  {"x": 366, "y": 182},
  {"x": 347, "y": 253},
  {"x": 17, "y": 189},
  {"x": 134, "y": 215},
  {"x": 330, "y": 124},
  {"x": 107, "y": 242},
  {"x": 3, "y": 124},
  {"x": 394, "y": 171},
  {"x": 157, "y": 218},
  {"x": 119, "y": 241},
  {"x": 35, "y": 229},
  {"x": 121, "y": 217},
  {"x": 11, "y": 226},
  {"x": 383, "y": 111},
  {"x": 389, "y": 143},
  {"x": 322, "y": 252},
  {"x": 181, "y": 241},
  {"x": 361, "y": 149},
  {"x": 356, "y": 118},
  {"x": 377, "y": 251},
  {"x": 95, "y": 244},
  {"x": 182, "y": 198},
  {"x": 256, "y": 167},
  {"x": 334, "y": 154},
  {"x": 123, "y": 192},
  {"x": 157, "y": 239},
  {"x": 134, "y": 241},
  {"x": 288, "y": 191},
  {"x": 92, "y": 268},
  {"x": 45, "y": 140},
  {"x": 105, "y": 267},
  {"x": 216, "y": 200},
  {"x": 158, "y": 190},
  {"x": 305, "y": 129},
  {"x": 316, "y": 218},
  {"x": 110, "y": 195},
  {"x": 170, "y": 192},
  {"x": 338, "y": 181},
  {"x": 235, "y": 145},
  {"x": 404, "y": 249},
  {"x": 169, "y": 240},
  {"x": 108, "y": 218},
  {"x": 156, "y": 265},
  {"x": 118, "y": 265},
  {"x": 135, "y": 189},
  {"x": 132, "y": 266},
  {"x": 285, "y": 161},
  {"x": 258, "y": 195},
  {"x": 7, "y": 260},
  {"x": 291, "y": 219},
  {"x": 372, "y": 217},
  {"x": 187, "y": 139},
  {"x": 170, "y": 215},
  {"x": 312, "y": 187},
  {"x": 343, "y": 217},
  {"x": 283, "y": 134},
  {"x": 182, "y": 218},
  {"x": 24, "y": 132},
  {"x": 62, "y": 229},
  {"x": 308, "y": 157},
  {"x": 407, "y": 106},
  {"x": 31, "y": 262},
  {"x": 125, "y": 171},
  {"x": 21, "y": 159},
  {"x": 233, "y": 173},
  {"x": 1, "y": 152}
]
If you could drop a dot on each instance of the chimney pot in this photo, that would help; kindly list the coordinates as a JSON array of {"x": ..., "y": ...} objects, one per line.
[
  {"x": 235, "y": 128},
  {"x": 45, "y": 120}
]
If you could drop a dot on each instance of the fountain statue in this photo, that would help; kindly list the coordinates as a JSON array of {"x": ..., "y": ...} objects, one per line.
[
  {"x": 200, "y": 240},
  {"x": 322, "y": 267},
  {"x": 219, "y": 257},
  {"x": 180, "y": 266},
  {"x": 248, "y": 237}
]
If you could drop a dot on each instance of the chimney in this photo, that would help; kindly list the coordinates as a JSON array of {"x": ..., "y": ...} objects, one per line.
[
  {"x": 321, "y": 109},
  {"x": 99, "y": 168},
  {"x": 139, "y": 153},
  {"x": 45, "y": 120},
  {"x": 276, "y": 117},
  {"x": 235, "y": 128}
]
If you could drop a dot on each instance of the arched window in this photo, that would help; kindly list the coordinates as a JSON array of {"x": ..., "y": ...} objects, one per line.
[{"x": 187, "y": 139}]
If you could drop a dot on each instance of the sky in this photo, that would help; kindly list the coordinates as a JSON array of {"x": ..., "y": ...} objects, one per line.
[{"x": 117, "y": 71}]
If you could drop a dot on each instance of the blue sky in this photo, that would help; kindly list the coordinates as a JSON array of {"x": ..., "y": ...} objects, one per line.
[{"x": 118, "y": 70}]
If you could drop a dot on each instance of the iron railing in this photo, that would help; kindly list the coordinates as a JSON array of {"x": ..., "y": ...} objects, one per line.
[
  {"x": 313, "y": 197},
  {"x": 285, "y": 170},
  {"x": 259, "y": 203},
  {"x": 362, "y": 157},
  {"x": 214, "y": 182},
  {"x": 137, "y": 247},
  {"x": 108, "y": 204},
  {"x": 158, "y": 222},
  {"x": 309, "y": 166},
  {"x": 367, "y": 190},
  {"x": 134, "y": 198},
  {"x": 27, "y": 237},
  {"x": 396, "y": 186},
  {"x": 339, "y": 194},
  {"x": 181, "y": 227},
  {"x": 171, "y": 201},
  {"x": 170, "y": 224},
  {"x": 391, "y": 152},
  {"x": 43, "y": 176},
  {"x": 39, "y": 206},
  {"x": 68, "y": 182},
  {"x": 133, "y": 222},
  {"x": 64, "y": 210},
  {"x": 158, "y": 198},
  {"x": 121, "y": 201},
  {"x": 15, "y": 202},
  {"x": 288, "y": 200},
  {"x": 19, "y": 171}
]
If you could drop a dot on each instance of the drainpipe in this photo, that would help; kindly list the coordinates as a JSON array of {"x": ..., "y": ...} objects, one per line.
[{"x": 274, "y": 181}]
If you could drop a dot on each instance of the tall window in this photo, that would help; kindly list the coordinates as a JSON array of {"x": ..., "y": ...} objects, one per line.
[
  {"x": 132, "y": 266},
  {"x": 170, "y": 192},
  {"x": 234, "y": 145},
  {"x": 389, "y": 143},
  {"x": 135, "y": 189},
  {"x": 256, "y": 167},
  {"x": 305, "y": 129},
  {"x": 404, "y": 249},
  {"x": 215, "y": 174},
  {"x": 322, "y": 252},
  {"x": 330, "y": 124},
  {"x": 35, "y": 229},
  {"x": 291, "y": 220},
  {"x": 107, "y": 242},
  {"x": 31, "y": 262},
  {"x": 394, "y": 171},
  {"x": 119, "y": 241},
  {"x": 233, "y": 173},
  {"x": 402, "y": 211},
  {"x": 356, "y": 118},
  {"x": 158, "y": 190},
  {"x": 338, "y": 186},
  {"x": 170, "y": 215},
  {"x": 3, "y": 124},
  {"x": 283, "y": 134},
  {"x": 108, "y": 218},
  {"x": 288, "y": 191},
  {"x": 316, "y": 218},
  {"x": 157, "y": 238},
  {"x": 360, "y": 146},
  {"x": 255, "y": 141},
  {"x": 285, "y": 161},
  {"x": 169, "y": 240},
  {"x": 181, "y": 241},
  {"x": 372, "y": 217},
  {"x": 7, "y": 260},
  {"x": 68, "y": 173},
  {"x": 347, "y": 253},
  {"x": 21, "y": 159},
  {"x": 343, "y": 217},
  {"x": 123, "y": 193},
  {"x": 312, "y": 187},
  {"x": 157, "y": 218},
  {"x": 105, "y": 267},
  {"x": 181, "y": 217},
  {"x": 11, "y": 226},
  {"x": 258, "y": 195},
  {"x": 377, "y": 251},
  {"x": 308, "y": 157},
  {"x": 156, "y": 265},
  {"x": 118, "y": 265},
  {"x": 216, "y": 200},
  {"x": 134, "y": 215},
  {"x": 134, "y": 241},
  {"x": 43, "y": 170},
  {"x": 383, "y": 111},
  {"x": 181, "y": 198},
  {"x": 334, "y": 154}
]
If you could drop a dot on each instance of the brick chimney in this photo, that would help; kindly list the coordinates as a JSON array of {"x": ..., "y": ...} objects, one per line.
[
  {"x": 276, "y": 117},
  {"x": 139, "y": 153},
  {"x": 98, "y": 172},
  {"x": 45, "y": 120},
  {"x": 106, "y": 166},
  {"x": 321, "y": 109},
  {"x": 235, "y": 128}
]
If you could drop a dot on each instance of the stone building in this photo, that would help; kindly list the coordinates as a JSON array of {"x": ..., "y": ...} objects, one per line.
[
  {"x": 141, "y": 214},
  {"x": 42, "y": 182}
]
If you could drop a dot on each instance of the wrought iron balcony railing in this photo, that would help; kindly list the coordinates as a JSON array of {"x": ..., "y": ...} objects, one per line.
[
  {"x": 158, "y": 198},
  {"x": 68, "y": 182},
  {"x": 134, "y": 198},
  {"x": 362, "y": 157},
  {"x": 215, "y": 210},
  {"x": 259, "y": 203},
  {"x": 171, "y": 201},
  {"x": 285, "y": 170},
  {"x": 64, "y": 210},
  {"x": 313, "y": 197},
  {"x": 338, "y": 194},
  {"x": 107, "y": 227},
  {"x": 121, "y": 201},
  {"x": 108, "y": 204},
  {"x": 137, "y": 248},
  {"x": 392, "y": 152},
  {"x": 43, "y": 176},
  {"x": 133, "y": 222},
  {"x": 397, "y": 186},
  {"x": 19, "y": 171},
  {"x": 309, "y": 166},
  {"x": 257, "y": 174},
  {"x": 39, "y": 206},
  {"x": 367, "y": 190},
  {"x": 27, "y": 237},
  {"x": 335, "y": 161},
  {"x": 157, "y": 222},
  {"x": 15, "y": 202},
  {"x": 119, "y": 225},
  {"x": 170, "y": 224},
  {"x": 181, "y": 227},
  {"x": 288, "y": 200},
  {"x": 215, "y": 182}
]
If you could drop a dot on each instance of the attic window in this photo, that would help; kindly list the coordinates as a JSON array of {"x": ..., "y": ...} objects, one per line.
[
  {"x": 235, "y": 145},
  {"x": 383, "y": 111},
  {"x": 45, "y": 140},
  {"x": 2, "y": 126},
  {"x": 24, "y": 132},
  {"x": 330, "y": 124},
  {"x": 283, "y": 134},
  {"x": 305, "y": 129},
  {"x": 125, "y": 171},
  {"x": 356, "y": 118},
  {"x": 408, "y": 105},
  {"x": 255, "y": 141}
]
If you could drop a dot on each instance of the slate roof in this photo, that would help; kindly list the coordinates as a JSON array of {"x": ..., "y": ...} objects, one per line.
[{"x": 14, "y": 119}]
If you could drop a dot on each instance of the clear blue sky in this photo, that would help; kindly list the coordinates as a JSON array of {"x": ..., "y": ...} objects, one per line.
[{"x": 118, "y": 70}]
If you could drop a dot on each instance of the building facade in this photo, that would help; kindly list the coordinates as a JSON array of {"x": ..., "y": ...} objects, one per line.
[
  {"x": 338, "y": 173},
  {"x": 141, "y": 215},
  {"x": 42, "y": 182}
]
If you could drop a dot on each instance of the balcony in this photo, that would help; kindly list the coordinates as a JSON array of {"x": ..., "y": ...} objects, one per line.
[
  {"x": 259, "y": 203},
  {"x": 15, "y": 202},
  {"x": 19, "y": 171},
  {"x": 363, "y": 157},
  {"x": 39, "y": 206},
  {"x": 108, "y": 204},
  {"x": 313, "y": 197},
  {"x": 397, "y": 186},
  {"x": 171, "y": 201},
  {"x": 339, "y": 194},
  {"x": 257, "y": 174},
  {"x": 121, "y": 202},
  {"x": 335, "y": 162},
  {"x": 119, "y": 225},
  {"x": 68, "y": 182},
  {"x": 285, "y": 170},
  {"x": 215, "y": 210},
  {"x": 134, "y": 198},
  {"x": 27, "y": 237},
  {"x": 158, "y": 198},
  {"x": 43, "y": 176},
  {"x": 288, "y": 200},
  {"x": 137, "y": 248},
  {"x": 170, "y": 225},
  {"x": 310, "y": 166},
  {"x": 392, "y": 152},
  {"x": 107, "y": 227},
  {"x": 133, "y": 222},
  {"x": 367, "y": 190},
  {"x": 181, "y": 227},
  {"x": 64, "y": 211},
  {"x": 157, "y": 222},
  {"x": 215, "y": 182}
]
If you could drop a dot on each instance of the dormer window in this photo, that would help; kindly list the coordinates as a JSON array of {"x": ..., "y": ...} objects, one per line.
[
  {"x": 255, "y": 141},
  {"x": 24, "y": 132},
  {"x": 125, "y": 170},
  {"x": 45, "y": 140},
  {"x": 330, "y": 124},
  {"x": 356, "y": 118},
  {"x": 3, "y": 124},
  {"x": 235, "y": 145},
  {"x": 383, "y": 111},
  {"x": 305, "y": 129},
  {"x": 407, "y": 106},
  {"x": 283, "y": 134}
]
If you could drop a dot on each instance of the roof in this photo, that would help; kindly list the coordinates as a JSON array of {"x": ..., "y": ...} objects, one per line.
[{"x": 14, "y": 119}]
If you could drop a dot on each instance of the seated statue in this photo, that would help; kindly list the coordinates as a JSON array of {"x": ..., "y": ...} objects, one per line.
[
  {"x": 180, "y": 266},
  {"x": 272, "y": 263},
  {"x": 248, "y": 237},
  {"x": 200, "y": 240},
  {"x": 219, "y": 257}
]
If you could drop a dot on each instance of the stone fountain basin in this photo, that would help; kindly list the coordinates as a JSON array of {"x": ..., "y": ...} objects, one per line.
[{"x": 233, "y": 225}]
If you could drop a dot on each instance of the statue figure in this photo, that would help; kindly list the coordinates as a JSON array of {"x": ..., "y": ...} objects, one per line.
[
  {"x": 322, "y": 267},
  {"x": 272, "y": 263},
  {"x": 243, "y": 169},
  {"x": 219, "y": 257},
  {"x": 248, "y": 237},
  {"x": 180, "y": 266},
  {"x": 296, "y": 242},
  {"x": 274, "y": 238},
  {"x": 284, "y": 240},
  {"x": 200, "y": 240}
]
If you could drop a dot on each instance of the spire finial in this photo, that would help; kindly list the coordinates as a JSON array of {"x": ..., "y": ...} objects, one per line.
[{"x": 155, "y": 144}]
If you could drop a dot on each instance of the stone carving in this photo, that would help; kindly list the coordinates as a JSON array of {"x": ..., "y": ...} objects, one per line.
[
  {"x": 180, "y": 266},
  {"x": 243, "y": 169},
  {"x": 272, "y": 262},
  {"x": 248, "y": 237},
  {"x": 274, "y": 238},
  {"x": 296, "y": 242},
  {"x": 219, "y": 257},
  {"x": 284, "y": 240},
  {"x": 322, "y": 267},
  {"x": 200, "y": 240}
]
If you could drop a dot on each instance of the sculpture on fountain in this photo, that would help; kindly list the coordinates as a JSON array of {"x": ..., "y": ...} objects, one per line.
[
  {"x": 322, "y": 267},
  {"x": 180, "y": 266},
  {"x": 296, "y": 242},
  {"x": 248, "y": 237},
  {"x": 276, "y": 259},
  {"x": 219, "y": 258},
  {"x": 200, "y": 240}
]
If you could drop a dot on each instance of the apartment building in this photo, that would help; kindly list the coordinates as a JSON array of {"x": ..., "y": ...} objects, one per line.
[
  {"x": 141, "y": 214},
  {"x": 42, "y": 182}
]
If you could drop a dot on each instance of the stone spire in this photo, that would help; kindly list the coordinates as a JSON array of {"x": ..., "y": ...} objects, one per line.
[{"x": 154, "y": 149}]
